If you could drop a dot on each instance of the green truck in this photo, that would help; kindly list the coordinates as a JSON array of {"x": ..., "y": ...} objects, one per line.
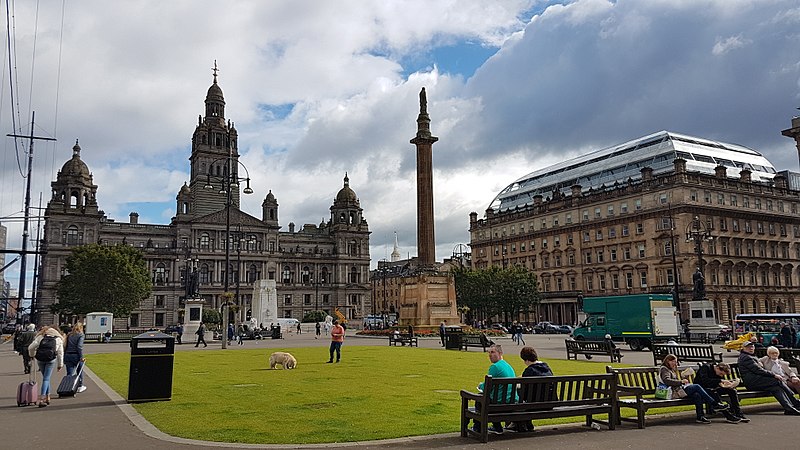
[{"x": 638, "y": 320}]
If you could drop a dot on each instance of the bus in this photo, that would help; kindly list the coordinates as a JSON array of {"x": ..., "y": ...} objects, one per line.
[{"x": 766, "y": 326}]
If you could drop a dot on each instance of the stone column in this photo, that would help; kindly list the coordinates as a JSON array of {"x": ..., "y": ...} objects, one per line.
[{"x": 426, "y": 245}]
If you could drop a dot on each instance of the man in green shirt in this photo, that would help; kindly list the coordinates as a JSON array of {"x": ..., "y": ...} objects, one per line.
[{"x": 499, "y": 369}]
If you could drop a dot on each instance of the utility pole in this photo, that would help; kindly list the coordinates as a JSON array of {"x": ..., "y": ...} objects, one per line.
[{"x": 23, "y": 264}]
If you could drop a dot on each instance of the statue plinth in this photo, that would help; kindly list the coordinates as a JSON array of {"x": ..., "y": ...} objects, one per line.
[
  {"x": 192, "y": 316},
  {"x": 702, "y": 318}
]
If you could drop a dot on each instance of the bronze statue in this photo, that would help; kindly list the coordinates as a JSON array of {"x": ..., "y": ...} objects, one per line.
[
  {"x": 193, "y": 284},
  {"x": 423, "y": 102},
  {"x": 699, "y": 290}
]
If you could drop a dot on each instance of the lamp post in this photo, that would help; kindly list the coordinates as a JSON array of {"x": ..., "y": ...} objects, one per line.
[
  {"x": 673, "y": 245},
  {"x": 698, "y": 232},
  {"x": 228, "y": 181}
]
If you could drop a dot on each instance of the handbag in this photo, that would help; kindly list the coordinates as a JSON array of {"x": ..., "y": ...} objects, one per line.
[
  {"x": 663, "y": 392},
  {"x": 679, "y": 393}
]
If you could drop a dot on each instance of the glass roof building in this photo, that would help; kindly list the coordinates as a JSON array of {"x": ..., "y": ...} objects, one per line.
[{"x": 623, "y": 162}]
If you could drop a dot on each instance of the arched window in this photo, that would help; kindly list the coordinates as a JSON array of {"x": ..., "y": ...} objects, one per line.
[
  {"x": 204, "y": 241},
  {"x": 287, "y": 275},
  {"x": 160, "y": 275},
  {"x": 755, "y": 306},
  {"x": 252, "y": 274},
  {"x": 72, "y": 236},
  {"x": 74, "y": 199},
  {"x": 323, "y": 277},
  {"x": 354, "y": 274},
  {"x": 306, "y": 275},
  {"x": 206, "y": 275}
]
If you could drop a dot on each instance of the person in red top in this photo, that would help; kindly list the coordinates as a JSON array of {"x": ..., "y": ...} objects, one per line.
[{"x": 337, "y": 337}]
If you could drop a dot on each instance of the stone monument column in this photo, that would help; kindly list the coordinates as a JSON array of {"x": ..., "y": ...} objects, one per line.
[
  {"x": 265, "y": 302},
  {"x": 426, "y": 245}
]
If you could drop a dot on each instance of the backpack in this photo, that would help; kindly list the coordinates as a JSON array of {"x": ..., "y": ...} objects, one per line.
[{"x": 47, "y": 349}]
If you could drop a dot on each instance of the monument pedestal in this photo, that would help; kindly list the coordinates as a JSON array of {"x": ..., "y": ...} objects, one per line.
[
  {"x": 192, "y": 316},
  {"x": 427, "y": 300},
  {"x": 702, "y": 318}
]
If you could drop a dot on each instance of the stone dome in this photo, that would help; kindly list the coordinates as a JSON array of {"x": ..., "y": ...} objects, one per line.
[
  {"x": 75, "y": 166},
  {"x": 185, "y": 189},
  {"x": 346, "y": 195},
  {"x": 270, "y": 196},
  {"x": 215, "y": 93}
]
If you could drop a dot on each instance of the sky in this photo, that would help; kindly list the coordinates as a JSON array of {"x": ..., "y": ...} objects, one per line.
[{"x": 320, "y": 89}]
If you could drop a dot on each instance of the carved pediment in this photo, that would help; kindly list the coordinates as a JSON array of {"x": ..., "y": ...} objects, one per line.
[{"x": 237, "y": 217}]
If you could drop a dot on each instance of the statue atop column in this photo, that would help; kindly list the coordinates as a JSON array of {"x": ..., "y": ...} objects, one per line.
[
  {"x": 193, "y": 284},
  {"x": 699, "y": 290}
]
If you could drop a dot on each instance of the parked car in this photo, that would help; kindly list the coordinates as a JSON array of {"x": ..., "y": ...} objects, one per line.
[
  {"x": 499, "y": 326},
  {"x": 564, "y": 329},
  {"x": 552, "y": 328},
  {"x": 540, "y": 327}
]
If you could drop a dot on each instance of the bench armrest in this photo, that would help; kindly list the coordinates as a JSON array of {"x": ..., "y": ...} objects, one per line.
[
  {"x": 630, "y": 390},
  {"x": 466, "y": 395}
]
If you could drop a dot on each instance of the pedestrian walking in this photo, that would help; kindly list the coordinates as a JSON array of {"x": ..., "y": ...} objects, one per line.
[
  {"x": 201, "y": 335},
  {"x": 299, "y": 330},
  {"x": 337, "y": 339},
  {"x": 22, "y": 341},
  {"x": 240, "y": 335},
  {"x": 230, "y": 333},
  {"x": 442, "y": 329},
  {"x": 179, "y": 332},
  {"x": 73, "y": 353},
  {"x": 48, "y": 350},
  {"x": 318, "y": 328}
]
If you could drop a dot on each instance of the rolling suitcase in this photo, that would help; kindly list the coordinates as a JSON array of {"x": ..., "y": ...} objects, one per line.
[
  {"x": 69, "y": 384},
  {"x": 27, "y": 392}
]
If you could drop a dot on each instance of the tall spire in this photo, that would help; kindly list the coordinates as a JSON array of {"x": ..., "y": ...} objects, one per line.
[{"x": 396, "y": 251}]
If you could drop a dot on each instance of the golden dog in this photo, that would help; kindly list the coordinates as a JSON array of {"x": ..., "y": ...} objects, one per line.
[{"x": 286, "y": 360}]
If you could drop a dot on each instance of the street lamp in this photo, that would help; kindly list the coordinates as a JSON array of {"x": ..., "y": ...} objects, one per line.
[
  {"x": 673, "y": 247},
  {"x": 229, "y": 180},
  {"x": 698, "y": 232}
]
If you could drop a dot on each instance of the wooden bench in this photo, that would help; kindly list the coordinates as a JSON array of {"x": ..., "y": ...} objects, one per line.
[
  {"x": 539, "y": 398},
  {"x": 790, "y": 355},
  {"x": 636, "y": 387},
  {"x": 696, "y": 338},
  {"x": 686, "y": 353},
  {"x": 122, "y": 336},
  {"x": 403, "y": 339},
  {"x": 575, "y": 348},
  {"x": 475, "y": 340}
]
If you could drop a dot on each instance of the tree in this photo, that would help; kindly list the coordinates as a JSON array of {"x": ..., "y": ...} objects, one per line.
[
  {"x": 103, "y": 278},
  {"x": 211, "y": 316},
  {"x": 495, "y": 291}
]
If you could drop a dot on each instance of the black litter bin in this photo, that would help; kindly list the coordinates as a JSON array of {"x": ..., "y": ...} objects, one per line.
[
  {"x": 452, "y": 338},
  {"x": 276, "y": 332},
  {"x": 152, "y": 357}
]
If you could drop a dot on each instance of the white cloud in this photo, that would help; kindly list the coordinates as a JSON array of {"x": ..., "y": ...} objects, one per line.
[
  {"x": 723, "y": 46},
  {"x": 578, "y": 76}
]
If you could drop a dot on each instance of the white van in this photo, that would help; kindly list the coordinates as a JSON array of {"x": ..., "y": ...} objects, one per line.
[{"x": 288, "y": 324}]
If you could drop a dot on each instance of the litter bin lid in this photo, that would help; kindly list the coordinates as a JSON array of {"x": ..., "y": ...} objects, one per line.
[{"x": 152, "y": 335}]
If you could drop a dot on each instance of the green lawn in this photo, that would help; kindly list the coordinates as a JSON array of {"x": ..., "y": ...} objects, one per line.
[{"x": 375, "y": 393}]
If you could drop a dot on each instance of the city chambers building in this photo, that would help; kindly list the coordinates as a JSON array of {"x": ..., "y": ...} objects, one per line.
[
  {"x": 316, "y": 267},
  {"x": 641, "y": 217}
]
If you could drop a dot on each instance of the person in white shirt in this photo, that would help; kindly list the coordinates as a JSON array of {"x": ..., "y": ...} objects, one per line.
[{"x": 776, "y": 365}]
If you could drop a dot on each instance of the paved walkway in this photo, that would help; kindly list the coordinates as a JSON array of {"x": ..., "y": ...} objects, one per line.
[{"x": 99, "y": 418}]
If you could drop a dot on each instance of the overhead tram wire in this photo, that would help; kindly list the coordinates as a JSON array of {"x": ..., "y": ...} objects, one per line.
[
  {"x": 11, "y": 70},
  {"x": 33, "y": 57},
  {"x": 58, "y": 89}
]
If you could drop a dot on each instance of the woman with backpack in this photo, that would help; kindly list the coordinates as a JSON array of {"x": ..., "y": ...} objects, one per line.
[{"x": 48, "y": 350}]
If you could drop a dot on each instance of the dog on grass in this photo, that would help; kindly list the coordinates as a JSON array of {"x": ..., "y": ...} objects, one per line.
[{"x": 285, "y": 360}]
